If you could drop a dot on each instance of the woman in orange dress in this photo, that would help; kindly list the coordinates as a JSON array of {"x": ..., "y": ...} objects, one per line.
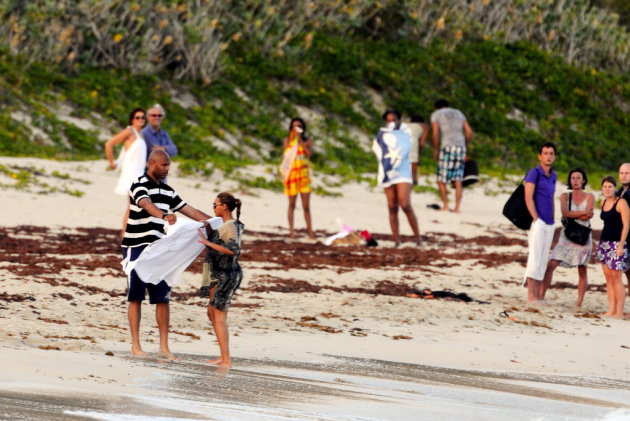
[{"x": 295, "y": 173}]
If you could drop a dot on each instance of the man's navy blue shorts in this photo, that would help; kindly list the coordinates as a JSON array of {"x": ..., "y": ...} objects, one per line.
[{"x": 136, "y": 289}]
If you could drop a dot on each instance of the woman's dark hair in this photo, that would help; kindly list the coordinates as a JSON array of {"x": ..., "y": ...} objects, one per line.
[
  {"x": 610, "y": 179},
  {"x": 581, "y": 171},
  {"x": 133, "y": 114},
  {"x": 299, "y": 120},
  {"x": 417, "y": 118},
  {"x": 231, "y": 202},
  {"x": 387, "y": 112}
]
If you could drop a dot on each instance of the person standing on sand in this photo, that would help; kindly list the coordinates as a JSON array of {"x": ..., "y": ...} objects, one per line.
[
  {"x": 451, "y": 135},
  {"x": 298, "y": 148},
  {"x": 391, "y": 147},
  {"x": 624, "y": 192},
  {"x": 222, "y": 275},
  {"x": 577, "y": 205},
  {"x": 133, "y": 156},
  {"x": 612, "y": 250},
  {"x": 152, "y": 205},
  {"x": 419, "y": 133},
  {"x": 156, "y": 137},
  {"x": 540, "y": 186}
]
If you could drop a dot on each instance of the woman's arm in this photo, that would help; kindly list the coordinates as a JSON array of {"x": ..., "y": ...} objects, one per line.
[
  {"x": 590, "y": 206},
  {"x": 220, "y": 249},
  {"x": 109, "y": 145},
  {"x": 307, "y": 144},
  {"x": 566, "y": 213},
  {"x": 622, "y": 207},
  {"x": 285, "y": 143}
]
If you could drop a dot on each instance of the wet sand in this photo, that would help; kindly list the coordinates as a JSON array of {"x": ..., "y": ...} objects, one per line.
[{"x": 337, "y": 389}]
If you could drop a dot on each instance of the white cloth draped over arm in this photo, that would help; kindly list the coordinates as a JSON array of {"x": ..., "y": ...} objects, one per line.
[{"x": 167, "y": 258}]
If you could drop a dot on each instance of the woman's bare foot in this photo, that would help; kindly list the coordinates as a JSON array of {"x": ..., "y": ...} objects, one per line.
[
  {"x": 138, "y": 352},
  {"x": 445, "y": 209},
  {"x": 220, "y": 362},
  {"x": 169, "y": 355},
  {"x": 607, "y": 314}
]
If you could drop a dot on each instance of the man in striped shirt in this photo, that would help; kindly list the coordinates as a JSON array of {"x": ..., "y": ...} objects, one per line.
[{"x": 152, "y": 205}]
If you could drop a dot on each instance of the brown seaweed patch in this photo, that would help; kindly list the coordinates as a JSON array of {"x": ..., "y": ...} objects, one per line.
[
  {"x": 15, "y": 298},
  {"x": 59, "y": 322},
  {"x": 328, "y": 329},
  {"x": 189, "y": 334}
]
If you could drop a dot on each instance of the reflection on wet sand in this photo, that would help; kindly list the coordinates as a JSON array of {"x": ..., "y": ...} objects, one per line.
[{"x": 337, "y": 388}]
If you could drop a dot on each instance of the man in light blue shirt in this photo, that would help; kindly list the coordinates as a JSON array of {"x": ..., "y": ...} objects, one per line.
[{"x": 156, "y": 137}]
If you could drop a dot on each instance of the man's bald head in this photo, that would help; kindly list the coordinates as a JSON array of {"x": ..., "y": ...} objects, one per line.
[
  {"x": 159, "y": 163},
  {"x": 624, "y": 174}
]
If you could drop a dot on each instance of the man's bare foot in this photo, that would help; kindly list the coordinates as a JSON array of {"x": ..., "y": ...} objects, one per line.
[
  {"x": 291, "y": 234},
  {"x": 168, "y": 355},
  {"x": 456, "y": 210},
  {"x": 445, "y": 209},
  {"x": 607, "y": 314},
  {"x": 138, "y": 352}
]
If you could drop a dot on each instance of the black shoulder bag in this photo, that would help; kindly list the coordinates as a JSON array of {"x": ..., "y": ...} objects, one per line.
[
  {"x": 575, "y": 232},
  {"x": 515, "y": 208}
]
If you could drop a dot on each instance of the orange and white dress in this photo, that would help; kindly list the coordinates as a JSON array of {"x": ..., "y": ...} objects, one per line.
[{"x": 298, "y": 179}]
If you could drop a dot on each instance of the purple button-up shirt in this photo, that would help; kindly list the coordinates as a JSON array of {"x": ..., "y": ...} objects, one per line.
[
  {"x": 158, "y": 138},
  {"x": 543, "y": 195}
]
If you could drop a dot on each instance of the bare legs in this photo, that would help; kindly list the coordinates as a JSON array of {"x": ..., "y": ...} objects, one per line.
[
  {"x": 306, "y": 199},
  {"x": 162, "y": 316},
  {"x": 628, "y": 279},
  {"x": 218, "y": 319},
  {"x": 134, "y": 314},
  {"x": 399, "y": 195},
  {"x": 414, "y": 173},
  {"x": 615, "y": 291},
  {"x": 459, "y": 191},
  {"x": 534, "y": 290},
  {"x": 582, "y": 283}
]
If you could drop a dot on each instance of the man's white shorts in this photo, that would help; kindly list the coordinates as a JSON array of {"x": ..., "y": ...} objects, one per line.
[{"x": 539, "y": 242}]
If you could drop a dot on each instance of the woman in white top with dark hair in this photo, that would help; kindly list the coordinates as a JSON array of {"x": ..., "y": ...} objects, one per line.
[{"x": 133, "y": 155}]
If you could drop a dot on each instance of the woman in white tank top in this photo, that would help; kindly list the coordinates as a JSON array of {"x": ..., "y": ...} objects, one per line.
[{"x": 133, "y": 155}]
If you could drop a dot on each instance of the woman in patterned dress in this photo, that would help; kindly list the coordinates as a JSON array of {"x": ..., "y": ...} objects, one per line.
[
  {"x": 612, "y": 250},
  {"x": 297, "y": 149},
  {"x": 576, "y": 205},
  {"x": 222, "y": 274}
]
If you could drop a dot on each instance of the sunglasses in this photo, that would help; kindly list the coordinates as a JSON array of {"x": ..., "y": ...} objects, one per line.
[
  {"x": 156, "y": 115},
  {"x": 139, "y": 117}
]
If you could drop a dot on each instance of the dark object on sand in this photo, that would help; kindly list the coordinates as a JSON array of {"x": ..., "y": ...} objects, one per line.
[
  {"x": 434, "y": 206},
  {"x": 427, "y": 294},
  {"x": 471, "y": 173},
  {"x": 369, "y": 240}
]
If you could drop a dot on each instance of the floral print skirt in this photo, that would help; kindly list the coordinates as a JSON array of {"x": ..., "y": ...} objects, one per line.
[{"x": 607, "y": 254}]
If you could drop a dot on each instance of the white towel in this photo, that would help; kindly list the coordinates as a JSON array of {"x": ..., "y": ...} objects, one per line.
[{"x": 167, "y": 258}]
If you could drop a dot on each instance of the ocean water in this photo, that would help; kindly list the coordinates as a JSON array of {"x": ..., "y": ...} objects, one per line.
[{"x": 334, "y": 389}]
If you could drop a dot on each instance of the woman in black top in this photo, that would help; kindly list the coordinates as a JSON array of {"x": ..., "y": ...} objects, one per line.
[{"x": 612, "y": 250}]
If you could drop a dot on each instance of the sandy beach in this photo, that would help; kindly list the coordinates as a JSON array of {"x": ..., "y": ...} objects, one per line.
[{"x": 330, "y": 327}]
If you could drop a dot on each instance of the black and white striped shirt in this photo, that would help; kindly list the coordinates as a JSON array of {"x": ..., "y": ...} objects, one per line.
[{"x": 142, "y": 228}]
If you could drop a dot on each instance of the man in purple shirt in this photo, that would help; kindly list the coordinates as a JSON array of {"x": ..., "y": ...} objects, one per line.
[
  {"x": 156, "y": 137},
  {"x": 540, "y": 186}
]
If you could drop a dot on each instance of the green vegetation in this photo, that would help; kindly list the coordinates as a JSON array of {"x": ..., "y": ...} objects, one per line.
[{"x": 338, "y": 70}]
